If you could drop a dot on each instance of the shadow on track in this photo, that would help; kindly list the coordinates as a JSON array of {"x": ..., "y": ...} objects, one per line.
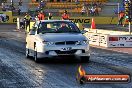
[{"x": 59, "y": 60}]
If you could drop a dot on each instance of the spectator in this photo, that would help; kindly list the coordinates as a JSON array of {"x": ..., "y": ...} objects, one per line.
[
  {"x": 65, "y": 16},
  {"x": 50, "y": 16},
  {"x": 3, "y": 18},
  {"x": 36, "y": 18},
  {"x": 7, "y": 17},
  {"x": 22, "y": 23},
  {"x": 94, "y": 4},
  {"x": 3, "y": 8},
  {"x": 7, "y": 7},
  {"x": 87, "y": 10},
  {"x": 19, "y": 11},
  {"x": 96, "y": 11},
  {"x": 27, "y": 20},
  {"x": 12, "y": 7},
  {"x": 37, "y": 9},
  {"x": 77, "y": 2},
  {"x": 93, "y": 11},
  {"x": 2, "y": 5},
  {"x": 41, "y": 16},
  {"x": 42, "y": 4},
  {"x": 121, "y": 17},
  {"x": 20, "y": 2},
  {"x": 36, "y": 21},
  {"x": 83, "y": 11},
  {"x": 126, "y": 20}
]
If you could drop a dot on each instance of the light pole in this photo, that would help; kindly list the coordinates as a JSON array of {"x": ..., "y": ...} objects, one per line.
[
  {"x": 11, "y": 2},
  {"x": 12, "y": 6},
  {"x": 118, "y": 10},
  {"x": 130, "y": 16},
  {"x": 130, "y": 28},
  {"x": 128, "y": 12}
]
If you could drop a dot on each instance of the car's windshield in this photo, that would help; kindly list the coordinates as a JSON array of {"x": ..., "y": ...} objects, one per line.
[{"x": 58, "y": 27}]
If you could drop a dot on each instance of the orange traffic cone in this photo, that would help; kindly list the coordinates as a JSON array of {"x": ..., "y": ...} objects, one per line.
[{"x": 93, "y": 24}]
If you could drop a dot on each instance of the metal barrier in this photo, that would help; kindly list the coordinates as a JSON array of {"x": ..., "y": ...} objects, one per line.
[{"x": 107, "y": 38}]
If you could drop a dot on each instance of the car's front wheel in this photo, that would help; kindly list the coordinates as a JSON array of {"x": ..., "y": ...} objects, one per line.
[
  {"x": 27, "y": 53},
  {"x": 35, "y": 55},
  {"x": 85, "y": 59}
]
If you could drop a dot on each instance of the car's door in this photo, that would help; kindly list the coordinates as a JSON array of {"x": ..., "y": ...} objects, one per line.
[{"x": 31, "y": 38}]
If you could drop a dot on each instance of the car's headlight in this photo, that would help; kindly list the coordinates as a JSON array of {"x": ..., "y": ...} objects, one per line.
[
  {"x": 82, "y": 42},
  {"x": 48, "y": 43},
  {"x": 85, "y": 41}
]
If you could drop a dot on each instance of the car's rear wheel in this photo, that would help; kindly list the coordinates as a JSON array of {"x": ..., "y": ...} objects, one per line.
[
  {"x": 85, "y": 59},
  {"x": 35, "y": 55}
]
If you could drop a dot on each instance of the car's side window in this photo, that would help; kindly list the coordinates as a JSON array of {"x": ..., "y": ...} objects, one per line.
[{"x": 42, "y": 28}]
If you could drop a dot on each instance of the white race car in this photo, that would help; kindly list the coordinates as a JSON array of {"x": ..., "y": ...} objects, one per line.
[{"x": 51, "y": 38}]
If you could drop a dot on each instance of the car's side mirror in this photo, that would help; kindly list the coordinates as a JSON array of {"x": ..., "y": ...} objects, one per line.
[
  {"x": 83, "y": 31},
  {"x": 34, "y": 28},
  {"x": 31, "y": 32}
]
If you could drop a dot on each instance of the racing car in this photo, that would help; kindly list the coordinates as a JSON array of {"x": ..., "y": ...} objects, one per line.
[{"x": 54, "y": 38}]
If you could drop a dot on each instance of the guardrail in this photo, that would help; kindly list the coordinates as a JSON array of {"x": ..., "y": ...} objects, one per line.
[{"x": 106, "y": 38}]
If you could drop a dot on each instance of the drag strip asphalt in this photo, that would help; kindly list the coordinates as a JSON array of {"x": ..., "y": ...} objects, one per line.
[{"x": 55, "y": 73}]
